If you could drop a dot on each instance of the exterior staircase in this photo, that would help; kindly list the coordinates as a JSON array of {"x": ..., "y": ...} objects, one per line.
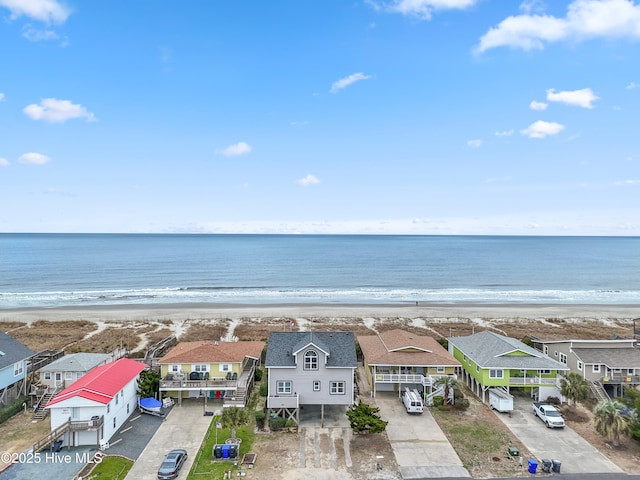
[
  {"x": 429, "y": 398},
  {"x": 599, "y": 392},
  {"x": 40, "y": 412}
]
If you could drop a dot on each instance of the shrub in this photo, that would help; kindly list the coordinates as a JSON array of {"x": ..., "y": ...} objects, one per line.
[
  {"x": 258, "y": 375},
  {"x": 438, "y": 400},
  {"x": 277, "y": 423},
  {"x": 11, "y": 409},
  {"x": 462, "y": 404},
  {"x": 264, "y": 389},
  {"x": 260, "y": 418},
  {"x": 553, "y": 400},
  {"x": 365, "y": 419}
]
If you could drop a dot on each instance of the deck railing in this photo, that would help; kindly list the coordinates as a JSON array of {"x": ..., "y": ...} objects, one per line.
[
  {"x": 419, "y": 379},
  {"x": 283, "y": 401}
]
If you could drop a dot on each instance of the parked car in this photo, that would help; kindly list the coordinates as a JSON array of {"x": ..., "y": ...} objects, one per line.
[
  {"x": 548, "y": 414},
  {"x": 172, "y": 464}
]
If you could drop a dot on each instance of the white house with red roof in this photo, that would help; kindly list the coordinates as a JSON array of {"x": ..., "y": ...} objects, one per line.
[{"x": 96, "y": 405}]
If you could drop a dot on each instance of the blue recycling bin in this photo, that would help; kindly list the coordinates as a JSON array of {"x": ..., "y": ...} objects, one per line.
[
  {"x": 225, "y": 451},
  {"x": 533, "y": 466}
]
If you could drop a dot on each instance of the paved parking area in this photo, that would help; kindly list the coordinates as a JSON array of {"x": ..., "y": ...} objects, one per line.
[
  {"x": 419, "y": 445},
  {"x": 575, "y": 453},
  {"x": 184, "y": 427}
]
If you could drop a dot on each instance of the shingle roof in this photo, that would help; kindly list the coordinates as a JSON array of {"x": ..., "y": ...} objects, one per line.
[
  {"x": 398, "y": 347},
  {"x": 102, "y": 383},
  {"x": 487, "y": 349},
  {"x": 77, "y": 362},
  {"x": 611, "y": 357},
  {"x": 213, "y": 352},
  {"x": 340, "y": 345},
  {"x": 12, "y": 351}
]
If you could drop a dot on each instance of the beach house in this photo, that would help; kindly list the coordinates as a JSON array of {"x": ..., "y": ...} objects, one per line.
[
  {"x": 397, "y": 359},
  {"x": 93, "y": 408},
  {"x": 13, "y": 368},
  {"x": 310, "y": 368},
  {"x": 490, "y": 360},
  {"x": 210, "y": 370},
  {"x": 608, "y": 365}
]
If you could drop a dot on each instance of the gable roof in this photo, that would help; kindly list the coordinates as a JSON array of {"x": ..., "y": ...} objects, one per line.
[
  {"x": 611, "y": 357},
  {"x": 341, "y": 348},
  {"x": 490, "y": 350},
  {"x": 77, "y": 362},
  {"x": 12, "y": 351},
  {"x": 398, "y": 347},
  {"x": 102, "y": 383},
  {"x": 207, "y": 351}
]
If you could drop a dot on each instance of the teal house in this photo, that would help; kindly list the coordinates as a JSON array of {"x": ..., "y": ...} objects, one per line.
[{"x": 490, "y": 361}]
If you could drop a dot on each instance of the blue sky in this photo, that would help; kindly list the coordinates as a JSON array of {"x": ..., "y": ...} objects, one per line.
[{"x": 320, "y": 116}]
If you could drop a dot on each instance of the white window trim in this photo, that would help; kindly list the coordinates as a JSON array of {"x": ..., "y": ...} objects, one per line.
[
  {"x": 440, "y": 369},
  {"x": 284, "y": 387},
  {"x": 563, "y": 358},
  {"x": 226, "y": 367},
  {"x": 200, "y": 367},
  {"x": 579, "y": 366},
  {"x": 316, "y": 385},
  {"x": 311, "y": 360},
  {"x": 18, "y": 368},
  {"x": 496, "y": 373},
  {"x": 595, "y": 368},
  {"x": 47, "y": 375},
  {"x": 546, "y": 350},
  {"x": 337, "y": 387}
]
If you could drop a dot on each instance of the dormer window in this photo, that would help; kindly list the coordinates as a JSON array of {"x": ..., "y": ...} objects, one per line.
[{"x": 311, "y": 360}]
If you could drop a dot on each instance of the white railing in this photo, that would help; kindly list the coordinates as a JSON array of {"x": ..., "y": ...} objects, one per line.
[
  {"x": 533, "y": 380},
  {"x": 427, "y": 380},
  {"x": 283, "y": 401}
]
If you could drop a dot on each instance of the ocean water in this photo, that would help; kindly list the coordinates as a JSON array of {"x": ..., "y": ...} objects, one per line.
[{"x": 51, "y": 270}]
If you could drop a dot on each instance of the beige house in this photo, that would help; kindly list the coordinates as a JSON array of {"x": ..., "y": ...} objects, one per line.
[
  {"x": 210, "y": 369},
  {"x": 397, "y": 359}
]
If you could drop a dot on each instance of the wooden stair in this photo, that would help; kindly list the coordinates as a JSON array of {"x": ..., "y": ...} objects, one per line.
[
  {"x": 40, "y": 413},
  {"x": 599, "y": 392}
]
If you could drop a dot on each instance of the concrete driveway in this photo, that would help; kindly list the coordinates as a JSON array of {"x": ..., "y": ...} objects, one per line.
[
  {"x": 184, "y": 427},
  {"x": 575, "y": 453},
  {"x": 419, "y": 445}
]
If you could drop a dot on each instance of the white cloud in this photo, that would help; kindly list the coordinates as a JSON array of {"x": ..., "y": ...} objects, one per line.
[
  {"x": 476, "y": 143},
  {"x": 234, "y": 150},
  {"x": 308, "y": 180},
  {"x": 579, "y": 98},
  {"x": 627, "y": 182},
  {"x": 33, "y": 158},
  {"x": 632, "y": 85},
  {"x": 585, "y": 19},
  {"x": 542, "y": 129},
  {"x": 48, "y": 11},
  {"x": 4, "y": 162},
  {"x": 504, "y": 133},
  {"x": 534, "y": 105},
  {"x": 36, "y": 35},
  {"x": 420, "y": 8},
  {"x": 57, "y": 111},
  {"x": 345, "y": 82},
  {"x": 1, "y": 97},
  {"x": 529, "y": 6}
]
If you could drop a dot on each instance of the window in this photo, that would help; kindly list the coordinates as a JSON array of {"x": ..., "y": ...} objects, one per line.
[
  {"x": 311, "y": 360},
  {"x": 116, "y": 399},
  {"x": 284, "y": 387},
  {"x": 595, "y": 368},
  {"x": 563, "y": 358},
  {"x": 114, "y": 422},
  {"x": 440, "y": 369},
  {"x": 545, "y": 349},
  {"x": 47, "y": 375},
  {"x": 544, "y": 372},
  {"x": 337, "y": 388},
  {"x": 464, "y": 358},
  {"x": 17, "y": 369},
  {"x": 108, "y": 407},
  {"x": 200, "y": 368},
  {"x": 68, "y": 375},
  {"x": 174, "y": 368},
  {"x": 496, "y": 373},
  {"x": 630, "y": 371},
  {"x": 579, "y": 365},
  {"x": 225, "y": 367},
  {"x": 477, "y": 368},
  {"x": 316, "y": 385}
]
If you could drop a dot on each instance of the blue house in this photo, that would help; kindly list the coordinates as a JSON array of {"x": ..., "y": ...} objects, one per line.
[{"x": 13, "y": 368}]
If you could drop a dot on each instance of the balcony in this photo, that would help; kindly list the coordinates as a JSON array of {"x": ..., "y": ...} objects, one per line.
[
  {"x": 82, "y": 425},
  {"x": 409, "y": 378},
  {"x": 283, "y": 401},
  {"x": 533, "y": 381},
  {"x": 621, "y": 379}
]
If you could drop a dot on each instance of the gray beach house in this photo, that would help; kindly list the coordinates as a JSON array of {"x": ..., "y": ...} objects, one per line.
[{"x": 309, "y": 368}]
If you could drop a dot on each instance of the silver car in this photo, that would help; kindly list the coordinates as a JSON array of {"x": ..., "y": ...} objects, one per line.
[{"x": 171, "y": 464}]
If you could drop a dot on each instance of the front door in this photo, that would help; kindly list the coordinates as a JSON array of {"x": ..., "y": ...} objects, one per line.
[{"x": 58, "y": 379}]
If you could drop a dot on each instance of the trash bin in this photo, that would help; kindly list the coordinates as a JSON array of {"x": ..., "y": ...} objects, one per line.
[
  {"x": 533, "y": 466},
  {"x": 217, "y": 451},
  {"x": 556, "y": 465},
  {"x": 546, "y": 465},
  {"x": 57, "y": 445}
]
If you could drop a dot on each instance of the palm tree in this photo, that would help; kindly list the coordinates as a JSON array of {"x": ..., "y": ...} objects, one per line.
[
  {"x": 449, "y": 383},
  {"x": 610, "y": 421},
  {"x": 233, "y": 417},
  {"x": 574, "y": 387}
]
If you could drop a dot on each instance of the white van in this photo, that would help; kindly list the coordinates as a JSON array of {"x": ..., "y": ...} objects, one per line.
[{"x": 412, "y": 401}]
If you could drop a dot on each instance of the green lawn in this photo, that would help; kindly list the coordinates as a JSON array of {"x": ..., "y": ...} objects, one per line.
[
  {"x": 204, "y": 466},
  {"x": 111, "y": 468}
]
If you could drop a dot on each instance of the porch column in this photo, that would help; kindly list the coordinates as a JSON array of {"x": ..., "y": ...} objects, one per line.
[{"x": 322, "y": 415}]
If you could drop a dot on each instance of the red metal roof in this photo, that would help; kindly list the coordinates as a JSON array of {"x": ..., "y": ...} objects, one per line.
[{"x": 102, "y": 383}]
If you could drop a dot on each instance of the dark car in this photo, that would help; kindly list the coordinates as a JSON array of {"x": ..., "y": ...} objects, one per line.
[{"x": 171, "y": 464}]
